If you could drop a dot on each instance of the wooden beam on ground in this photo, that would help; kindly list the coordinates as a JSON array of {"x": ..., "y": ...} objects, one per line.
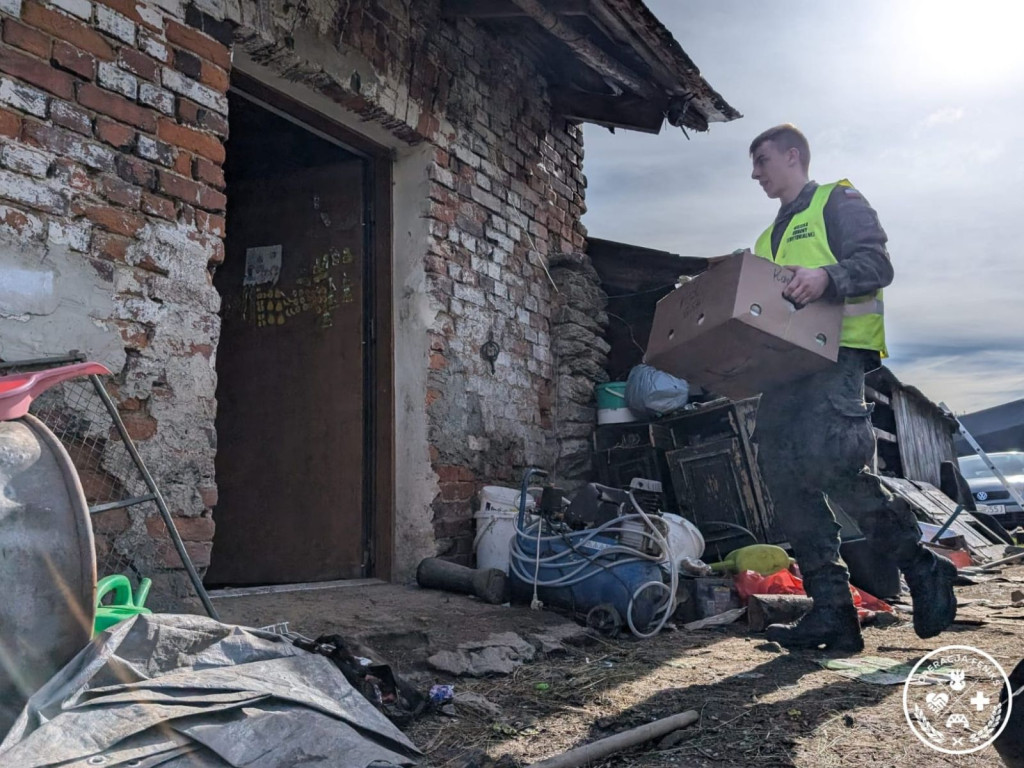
[{"x": 506, "y": 9}]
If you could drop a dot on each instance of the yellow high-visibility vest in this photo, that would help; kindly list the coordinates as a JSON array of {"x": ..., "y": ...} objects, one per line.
[{"x": 805, "y": 244}]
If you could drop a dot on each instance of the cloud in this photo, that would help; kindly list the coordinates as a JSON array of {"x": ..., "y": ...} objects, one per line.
[{"x": 945, "y": 115}]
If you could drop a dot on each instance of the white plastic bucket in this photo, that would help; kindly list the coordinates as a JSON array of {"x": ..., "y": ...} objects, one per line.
[
  {"x": 496, "y": 525},
  {"x": 684, "y": 538}
]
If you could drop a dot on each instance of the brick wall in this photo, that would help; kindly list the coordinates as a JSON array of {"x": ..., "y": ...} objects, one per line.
[{"x": 114, "y": 117}]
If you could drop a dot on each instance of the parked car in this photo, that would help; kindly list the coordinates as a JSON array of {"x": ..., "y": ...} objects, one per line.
[{"x": 987, "y": 490}]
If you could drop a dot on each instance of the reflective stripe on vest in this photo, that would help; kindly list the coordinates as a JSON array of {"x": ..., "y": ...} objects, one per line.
[{"x": 805, "y": 244}]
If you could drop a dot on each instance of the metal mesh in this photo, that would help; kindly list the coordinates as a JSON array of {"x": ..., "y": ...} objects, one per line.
[{"x": 130, "y": 534}]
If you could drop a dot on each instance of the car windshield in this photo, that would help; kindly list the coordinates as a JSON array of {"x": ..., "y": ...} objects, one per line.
[{"x": 1007, "y": 463}]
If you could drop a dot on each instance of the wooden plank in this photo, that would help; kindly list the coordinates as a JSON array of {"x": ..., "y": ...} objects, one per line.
[
  {"x": 615, "y": 111},
  {"x": 588, "y": 52},
  {"x": 875, "y": 396},
  {"x": 937, "y": 507},
  {"x": 881, "y": 434}
]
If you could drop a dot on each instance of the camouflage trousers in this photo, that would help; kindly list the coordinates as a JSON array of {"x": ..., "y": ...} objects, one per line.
[{"x": 815, "y": 443}]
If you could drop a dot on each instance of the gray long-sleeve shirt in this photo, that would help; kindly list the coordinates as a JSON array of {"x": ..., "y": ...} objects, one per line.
[{"x": 855, "y": 237}]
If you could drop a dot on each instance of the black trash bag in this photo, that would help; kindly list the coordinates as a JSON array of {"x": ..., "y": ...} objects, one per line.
[{"x": 394, "y": 696}]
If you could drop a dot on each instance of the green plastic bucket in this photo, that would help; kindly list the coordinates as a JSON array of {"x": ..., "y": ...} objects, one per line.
[{"x": 612, "y": 395}]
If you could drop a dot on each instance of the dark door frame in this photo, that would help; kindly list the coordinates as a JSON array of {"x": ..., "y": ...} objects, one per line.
[{"x": 378, "y": 362}]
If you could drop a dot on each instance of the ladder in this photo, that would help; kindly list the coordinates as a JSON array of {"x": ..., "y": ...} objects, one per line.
[{"x": 1014, "y": 493}]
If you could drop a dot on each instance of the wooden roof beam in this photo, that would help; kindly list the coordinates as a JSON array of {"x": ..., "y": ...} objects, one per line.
[
  {"x": 636, "y": 113},
  {"x": 609, "y": 68},
  {"x": 506, "y": 9}
]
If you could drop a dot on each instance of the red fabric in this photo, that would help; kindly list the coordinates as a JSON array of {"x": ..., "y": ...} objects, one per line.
[{"x": 785, "y": 583}]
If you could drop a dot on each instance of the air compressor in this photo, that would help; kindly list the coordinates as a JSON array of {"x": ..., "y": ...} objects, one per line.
[{"x": 604, "y": 556}]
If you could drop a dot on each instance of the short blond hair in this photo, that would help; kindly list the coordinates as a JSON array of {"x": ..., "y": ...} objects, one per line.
[{"x": 786, "y": 136}]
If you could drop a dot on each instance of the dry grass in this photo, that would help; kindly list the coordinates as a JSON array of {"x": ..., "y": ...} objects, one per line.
[{"x": 759, "y": 706}]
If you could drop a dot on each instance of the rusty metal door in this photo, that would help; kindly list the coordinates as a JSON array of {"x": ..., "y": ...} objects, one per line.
[{"x": 290, "y": 422}]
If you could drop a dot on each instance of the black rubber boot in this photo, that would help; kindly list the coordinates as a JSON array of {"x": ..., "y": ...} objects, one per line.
[
  {"x": 835, "y": 626},
  {"x": 930, "y": 578}
]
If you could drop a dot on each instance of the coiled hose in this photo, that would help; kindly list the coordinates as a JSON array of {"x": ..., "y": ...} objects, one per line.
[{"x": 580, "y": 566}]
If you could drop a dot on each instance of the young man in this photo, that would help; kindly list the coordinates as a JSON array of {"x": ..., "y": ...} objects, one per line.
[{"x": 814, "y": 435}]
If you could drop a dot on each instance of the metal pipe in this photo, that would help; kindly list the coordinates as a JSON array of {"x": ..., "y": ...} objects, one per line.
[{"x": 158, "y": 498}]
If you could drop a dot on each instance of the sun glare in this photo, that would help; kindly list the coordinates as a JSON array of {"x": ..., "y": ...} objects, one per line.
[{"x": 950, "y": 43}]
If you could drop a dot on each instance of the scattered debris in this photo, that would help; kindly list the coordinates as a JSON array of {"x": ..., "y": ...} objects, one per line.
[
  {"x": 499, "y": 654},
  {"x": 478, "y": 705},
  {"x": 365, "y": 671},
  {"x": 878, "y": 670},
  {"x": 720, "y": 620}
]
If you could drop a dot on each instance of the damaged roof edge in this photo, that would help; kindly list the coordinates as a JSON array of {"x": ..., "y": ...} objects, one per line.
[{"x": 663, "y": 44}]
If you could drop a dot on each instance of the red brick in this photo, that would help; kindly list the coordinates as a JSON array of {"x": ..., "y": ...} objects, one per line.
[
  {"x": 10, "y": 124},
  {"x": 66, "y": 144},
  {"x": 66, "y": 56},
  {"x": 158, "y": 206},
  {"x": 212, "y": 200},
  {"x": 136, "y": 170},
  {"x": 65, "y": 28},
  {"x": 189, "y": 528},
  {"x": 209, "y": 495},
  {"x": 198, "y": 43},
  {"x": 210, "y": 173},
  {"x": 137, "y": 63},
  {"x": 437, "y": 361},
  {"x": 215, "y": 77},
  {"x": 198, "y": 552},
  {"x": 217, "y": 257},
  {"x": 37, "y": 72},
  {"x": 201, "y": 117},
  {"x": 18, "y": 221},
  {"x": 450, "y": 473},
  {"x": 73, "y": 175},
  {"x": 115, "y": 134},
  {"x": 139, "y": 424},
  {"x": 176, "y": 186},
  {"x": 121, "y": 222},
  {"x": 201, "y": 143},
  {"x": 110, "y": 522},
  {"x": 66, "y": 114},
  {"x": 116, "y": 107},
  {"x": 27, "y": 38},
  {"x": 183, "y": 164},
  {"x": 211, "y": 223},
  {"x": 110, "y": 247},
  {"x": 126, "y": 8},
  {"x": 120, "y": 192}
]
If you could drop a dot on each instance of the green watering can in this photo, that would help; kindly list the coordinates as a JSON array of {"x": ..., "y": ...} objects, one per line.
[{"x": 123, "y": 606}]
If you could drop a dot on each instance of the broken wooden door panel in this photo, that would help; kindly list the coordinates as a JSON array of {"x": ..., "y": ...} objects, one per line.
[
  {"x": 929, "y": 502},
  {"x": 291, "y": 431},
  {"x": 713, "y": 483}
]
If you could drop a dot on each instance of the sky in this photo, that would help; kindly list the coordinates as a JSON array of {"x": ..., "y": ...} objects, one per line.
[{"x": 920, "y": 104}]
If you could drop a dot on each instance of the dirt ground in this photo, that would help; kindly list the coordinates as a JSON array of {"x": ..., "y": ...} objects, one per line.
[{"x": 759, "y": 705}]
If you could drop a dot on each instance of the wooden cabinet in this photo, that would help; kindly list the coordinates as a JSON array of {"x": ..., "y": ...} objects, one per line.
[{"x": 705, "y": 460}]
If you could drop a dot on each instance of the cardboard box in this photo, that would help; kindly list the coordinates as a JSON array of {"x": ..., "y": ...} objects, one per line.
[{"x": 731, "y": 331}]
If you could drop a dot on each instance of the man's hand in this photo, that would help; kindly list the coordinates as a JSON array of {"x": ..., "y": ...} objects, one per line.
[{"x": 807, "y": 285}]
